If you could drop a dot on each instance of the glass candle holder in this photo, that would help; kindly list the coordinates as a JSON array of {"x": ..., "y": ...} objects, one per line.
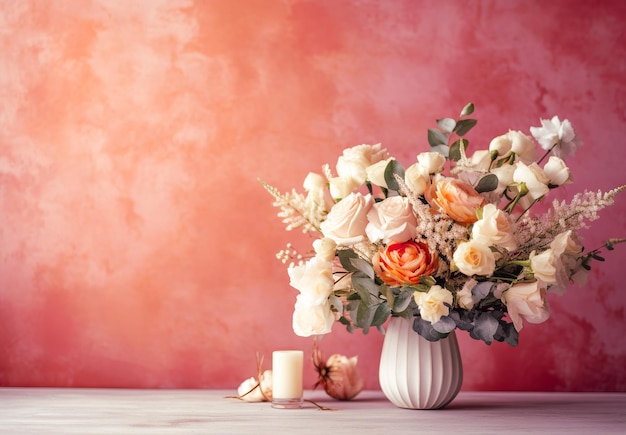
[{"x": 287, "y": 369}]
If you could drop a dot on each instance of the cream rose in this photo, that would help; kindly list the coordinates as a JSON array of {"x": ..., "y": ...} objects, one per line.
[
  {"x": 533, "y": 177},
  {"x": 544, "y": 265},
  {"x": 434, "y": 303},
  {"x": 340, "y": 187},
  {"x": 568, "y": 268},
  {"x": 417, "y": 178},
  {"x": 376, "y": 172},
  {"x": 431, "y": 161},
  {"x": 557, "y": 171},
  {"x": 514, "y": 142},
  {"x": 310, "y": 318},
  {"x": 526, "y": 301},
  {"x": 455, "y": 198},
  {"x": 564, "y": 243},
  {"x": 346, "y": 221},
  {"x": 494, "y": 229},
  {"x": 313, "y": 279},
  {"x": 355, "y": 160},
  {"x": 404, "y": 263},
  {"x": 474, "y": 258},
  {"x": 391, "y": 220}
]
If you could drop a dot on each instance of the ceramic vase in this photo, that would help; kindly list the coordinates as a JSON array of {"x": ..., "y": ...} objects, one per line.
[{"x": 416, "y": 373}]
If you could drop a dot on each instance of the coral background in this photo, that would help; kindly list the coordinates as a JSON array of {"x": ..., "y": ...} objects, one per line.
[{"x": 136, "y": 244}]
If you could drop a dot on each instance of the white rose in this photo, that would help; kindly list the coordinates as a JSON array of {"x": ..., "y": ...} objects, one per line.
[
  {"x": 523, "y": 146},
  {"x": 340, "y": 187},
  {"x": 325, "y": 248},
  {"x": 432, "y": 304},
  {"x": 533, "y": 177},
  {"x": 346, "y": 221},
  {"x": 354, "y": 160},
  {"x": 431, "y": 161},
  {"x": 544, "y": 265},
  {"x": 526, "y": 301},
  {"x": 505, "y": 177},
  {"x": 390, "y": 220},
  {"x": 417, "y": 178},
  {"x": 474, "y": 258},
  {"x": 480, "y": 160},
  {"x": 376, "y": 172},
  {"x": 313, "y": 279},
  {"x": 514, "y": 142},
  {"x": 494, "y": 228},
  {"x": 557, "y": 171},
  {"x": 500, "y": 145},
  {"x": 310, "y": 318}
]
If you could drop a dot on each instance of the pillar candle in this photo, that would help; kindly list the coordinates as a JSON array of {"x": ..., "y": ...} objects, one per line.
[{"x": 287, "y": 370}]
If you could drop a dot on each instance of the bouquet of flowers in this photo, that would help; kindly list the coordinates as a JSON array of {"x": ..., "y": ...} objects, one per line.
[{"x": 447, "y": 242}]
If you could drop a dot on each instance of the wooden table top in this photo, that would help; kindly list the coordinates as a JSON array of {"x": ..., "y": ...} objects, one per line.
[{"x": 121, "y": 411}]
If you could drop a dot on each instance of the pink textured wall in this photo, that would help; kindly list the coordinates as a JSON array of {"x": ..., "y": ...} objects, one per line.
[{"x": 136, "y": 245}]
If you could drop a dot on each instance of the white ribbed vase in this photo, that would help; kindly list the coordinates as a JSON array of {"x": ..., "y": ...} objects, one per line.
[{"x": 416, "y": 373}]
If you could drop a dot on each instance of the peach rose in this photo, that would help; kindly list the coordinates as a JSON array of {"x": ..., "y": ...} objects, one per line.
[
  {"x": 455, "y": 198},
  {"x": 404, "y": 263},
  {"x": 346, "y": 221}
]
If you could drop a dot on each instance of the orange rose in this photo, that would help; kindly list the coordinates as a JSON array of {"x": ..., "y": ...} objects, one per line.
[
  {"x": 455, "y": 198},
  {"x": 404, "y": 263}
]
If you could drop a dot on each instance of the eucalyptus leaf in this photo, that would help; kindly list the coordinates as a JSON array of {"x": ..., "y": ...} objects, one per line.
[
  {"x": 487, "y": 183},
  {"x": 365, "y": 286},
  {"x": 485, "y": 327},
  {"x": 455, "y": 149},
  {"x": 464, "y": 126},
  {"x": 403, "y": 300},
  {"x": 436, "y": 137},
  {"x": 444, "y": 150},
  {"x": 393, "y": 168},
  {"x": 426, "y": 330},
  {"x": 363, "y": 266},
  {"x": 481, "y": 290},
  {"x": 381, "y": 314},
  {"x": 446, "y": 124},
  {"x": 507, "y": 333},
  {"x": 444, "y": 325},
  {"x": 363, "y": 315},
  {"x": 345, "y": 258},
  {"x": 468, "y": 109},
  {"x": 461, "y": 319}
]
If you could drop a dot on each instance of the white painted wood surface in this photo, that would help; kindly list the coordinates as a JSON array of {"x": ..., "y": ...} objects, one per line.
[{"x": 119, "y": 411}]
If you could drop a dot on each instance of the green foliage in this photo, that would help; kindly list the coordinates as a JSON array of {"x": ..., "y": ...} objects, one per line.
[
  {"x": 439, "y": 138},
  {"x": 487, "y": 183},
  {"x": 393, "y": 168}
]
